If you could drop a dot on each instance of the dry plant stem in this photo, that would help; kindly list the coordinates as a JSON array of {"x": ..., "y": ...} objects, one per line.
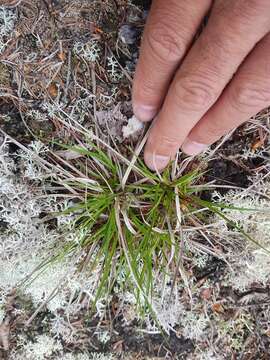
[
  {"x": 219, "y": 145},
  {"x": 41, "y": 306},
  {"x": 134, "y": 159},
  {"x": 179, "y": 264}
]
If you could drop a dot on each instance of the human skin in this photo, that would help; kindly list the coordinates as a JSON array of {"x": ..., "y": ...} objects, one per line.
[{"x": 197, "y": 90}]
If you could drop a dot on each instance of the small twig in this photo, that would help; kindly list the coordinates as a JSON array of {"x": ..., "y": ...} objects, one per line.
[{"x": 52, "y": 294}]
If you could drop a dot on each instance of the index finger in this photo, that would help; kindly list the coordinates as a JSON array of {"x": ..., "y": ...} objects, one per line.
[{"x": 169, "y": 31}]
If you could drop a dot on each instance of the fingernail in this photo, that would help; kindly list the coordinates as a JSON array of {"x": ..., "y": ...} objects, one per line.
[
  {"x": 156, "y": 162},
  {"x": 144, "y": 112},
  {"x": 190, "y": 147}
]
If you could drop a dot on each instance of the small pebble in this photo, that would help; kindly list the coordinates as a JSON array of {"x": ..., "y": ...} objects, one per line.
[
  {"x": 128, "y": 34},
  {"x": 134, "y": 126}
]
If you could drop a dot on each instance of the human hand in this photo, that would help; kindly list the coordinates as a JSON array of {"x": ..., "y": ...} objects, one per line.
[{"x": 200, "y": 89}]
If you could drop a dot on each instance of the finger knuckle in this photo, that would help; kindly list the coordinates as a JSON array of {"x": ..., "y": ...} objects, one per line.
[
  {"x": 216, "y": 46},
  {"x": 169, "y": 143},
  {"x": 250, "y": 96},
  {"x": 165, "y": 43},
  {"x": 195, "y": 93}
]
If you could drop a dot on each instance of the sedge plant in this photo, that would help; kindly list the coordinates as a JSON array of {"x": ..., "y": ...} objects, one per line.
[
  {"x": 133, "y": 228},
  {"x": 130, "y": 222}
]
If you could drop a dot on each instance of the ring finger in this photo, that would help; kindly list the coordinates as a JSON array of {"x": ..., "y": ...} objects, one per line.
[{"x": 247, "y": 94}]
